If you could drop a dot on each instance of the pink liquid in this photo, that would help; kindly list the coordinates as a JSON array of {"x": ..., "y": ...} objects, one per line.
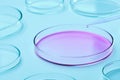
[{"x": 73, "y": 44}]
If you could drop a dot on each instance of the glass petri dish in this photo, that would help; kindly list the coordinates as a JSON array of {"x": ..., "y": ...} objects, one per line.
[
  {"x": 111, "y": 71},
  {"x": 50, "y": 76},
  {"x": 9, "y": 57},
  {"x": 45, "y": 6},
  {"x": 10, "y": 21},
  {"x": 95, "y": 8},
  {"x": 73, "y": 45}
]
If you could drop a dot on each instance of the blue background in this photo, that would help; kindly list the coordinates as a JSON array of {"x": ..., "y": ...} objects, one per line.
[{"x": 33, "y": 23}]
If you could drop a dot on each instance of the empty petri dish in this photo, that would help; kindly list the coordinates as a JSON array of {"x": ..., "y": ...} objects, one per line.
[
  {"x": 73, "y": 45},
  {"x": 111, "y": 71},
  {"x": 9, "y": 57},
  {"x": 10, "y": 21},
  {"x": 95, "y": 8},
  {"x": 45, "y": 6},
  {"x": 50, "y": 76}
]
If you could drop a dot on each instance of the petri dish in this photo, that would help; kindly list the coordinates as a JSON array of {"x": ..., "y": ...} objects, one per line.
[
  {"x": 50, "y": 76},
  {"x": 10, "y": 21},
  {"x": 111, "y": 71},
  {"x": 9, "y": 57},
  {"x": 73, "y": 45},
  {"x": 45, "y": 6},
  {"x": 95, "y": 8}
]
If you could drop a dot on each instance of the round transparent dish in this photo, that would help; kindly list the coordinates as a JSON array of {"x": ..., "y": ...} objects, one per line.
[
  {"x": 111, "y": 71},
  {"x": 9, "y": 57},
  {"x": 95, "y": 8},
  {"x": 45, "y": 6},
  {"x": 50, "y": 76},
  {"x": 10, "y": 21},
  {"x": 73, "y": 45}
]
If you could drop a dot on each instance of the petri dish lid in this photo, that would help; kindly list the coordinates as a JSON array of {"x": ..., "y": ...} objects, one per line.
[
  {"x": 45, "y": 6},
  {"x": 95, "y": 8},
  {"x": 73, "y": 45},
  {"x": 111, "y": 71},
  {"x": 9, "y": 57},
  {"x": 10, "y": 21},
  {"x": 50, "y": 76}
]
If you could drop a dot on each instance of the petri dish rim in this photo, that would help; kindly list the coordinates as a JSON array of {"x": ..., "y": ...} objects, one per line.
[
  {"x": 91, "y": 55},
  {"x": 39, "y": 74},
  {"x": 108, "y": 64},
  {"x": 18, "y": 53},
  {"x": 93, "y": 14},
  {"x": 15, "y": 9},
  {"x": 44, "y": 13},
  {"x": 15, "y": 26},
  {"x": 76, "y": 25}
]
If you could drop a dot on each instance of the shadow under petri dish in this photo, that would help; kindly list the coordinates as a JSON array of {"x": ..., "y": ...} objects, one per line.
[
  {"x": 95, "y": 8},
  {"x": 73, "y": 47}
]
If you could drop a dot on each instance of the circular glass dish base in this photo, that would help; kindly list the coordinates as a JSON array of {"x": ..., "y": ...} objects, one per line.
[
  {"x": 49, "y": 76},
  {"x": 11, "y": 30},
  {"x": 9, "y": 57},
  {"x": 113, "y": 75},
  {"x": 95, "y": 8},
  {"x": 45, "y": 7},
  {"x": 10, "y": 23},
  {"x": 111, "y": 71}
]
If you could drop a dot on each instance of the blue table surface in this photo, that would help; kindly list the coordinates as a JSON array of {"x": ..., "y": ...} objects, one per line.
[{"x": 31, "y": 64}]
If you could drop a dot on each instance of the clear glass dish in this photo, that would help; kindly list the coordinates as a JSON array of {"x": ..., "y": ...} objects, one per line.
[
  {"x": 73, "y": 45},
  {"x": 95, "y": 8},
  {"x": 50, "y": 76},
  {"x": 45, "y": 6},
  {"x": 9, "y": 57},
  {"x": 111, "y": 71},
  {"x": 10, "y": 21}
]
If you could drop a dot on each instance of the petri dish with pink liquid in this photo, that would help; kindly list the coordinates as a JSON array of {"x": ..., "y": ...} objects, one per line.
[
  {"x": 111, "y": 71},
  {"x": 10, "y": 57},
  {"x": 49, "y": 76},
  {"x": 73, "y": 45}
]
